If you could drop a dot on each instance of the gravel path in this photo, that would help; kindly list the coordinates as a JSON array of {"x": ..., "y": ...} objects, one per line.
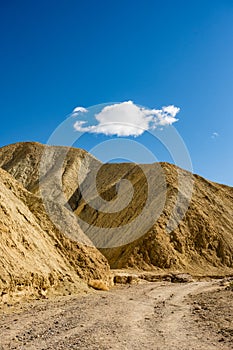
[{"x": 146, "y": 316}]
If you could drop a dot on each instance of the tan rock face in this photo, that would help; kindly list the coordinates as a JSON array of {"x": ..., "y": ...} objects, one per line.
[
  {"x": 44, "y": 237},
  {"x": 201, "y": 243},
  {"x": 36, "y": 258}
]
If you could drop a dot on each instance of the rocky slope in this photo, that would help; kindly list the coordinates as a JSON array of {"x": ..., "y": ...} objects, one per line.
[
  {"x": 37, "y": 259},
  {"x": 202, "y": 242},
  {"x": 128, "y": 234}
]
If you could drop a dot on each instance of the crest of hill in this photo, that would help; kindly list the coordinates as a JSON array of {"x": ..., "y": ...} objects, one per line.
[
  {"x": 24, "y": 161},
  {"x": 202, "y": 243}
]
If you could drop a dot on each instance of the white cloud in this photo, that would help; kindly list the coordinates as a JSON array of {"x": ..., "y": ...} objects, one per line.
[
  {"x": 214, "y": 135},
  {"x": 127, "y": 119},
  {"x": 78, "y": 110}
]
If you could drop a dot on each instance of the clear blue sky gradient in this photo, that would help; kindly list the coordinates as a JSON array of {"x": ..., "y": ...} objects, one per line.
[{"x": 56, "y": 55}]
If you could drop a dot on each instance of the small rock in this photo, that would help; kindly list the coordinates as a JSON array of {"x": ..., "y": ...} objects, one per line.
[{"x": 181, "y": 278}]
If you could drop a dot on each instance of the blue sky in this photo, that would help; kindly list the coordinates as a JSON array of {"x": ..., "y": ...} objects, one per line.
[{"x": 56, "y": 55}]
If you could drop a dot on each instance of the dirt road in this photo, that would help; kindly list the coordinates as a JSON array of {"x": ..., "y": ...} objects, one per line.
[{"x": 146, "y": 316}]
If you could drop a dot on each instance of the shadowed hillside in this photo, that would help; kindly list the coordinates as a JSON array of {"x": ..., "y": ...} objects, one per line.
[{"x": 37, "y": 259}]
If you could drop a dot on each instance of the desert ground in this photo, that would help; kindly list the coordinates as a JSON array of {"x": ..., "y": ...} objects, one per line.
[{"x": 149, "y": 315}]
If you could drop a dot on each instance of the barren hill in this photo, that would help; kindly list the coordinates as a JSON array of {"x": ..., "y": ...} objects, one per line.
[{"x": 130, "y": 235}]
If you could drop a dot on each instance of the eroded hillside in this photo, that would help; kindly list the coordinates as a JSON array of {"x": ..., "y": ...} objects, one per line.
[
  {"x": 37, "y": 258},
  {"x": 187, "y": 225}
]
